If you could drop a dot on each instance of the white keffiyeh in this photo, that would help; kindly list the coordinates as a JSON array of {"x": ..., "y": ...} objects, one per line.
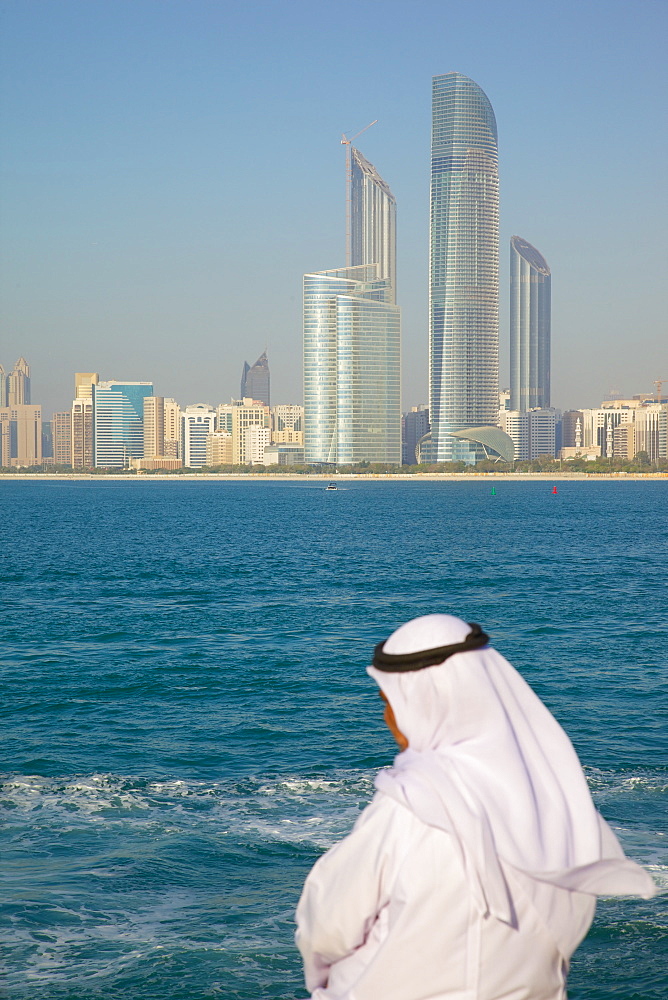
[{"x": 489, "y": 764}]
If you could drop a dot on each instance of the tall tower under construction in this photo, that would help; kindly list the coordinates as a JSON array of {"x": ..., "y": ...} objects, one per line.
[{"x": 373, "y": 220}]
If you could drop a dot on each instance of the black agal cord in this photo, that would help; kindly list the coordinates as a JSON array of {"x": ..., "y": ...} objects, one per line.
[{"x": 394, "y": 663}]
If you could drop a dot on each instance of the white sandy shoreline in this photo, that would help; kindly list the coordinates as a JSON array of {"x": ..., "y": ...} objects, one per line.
[{"x": 212, "y": 477}]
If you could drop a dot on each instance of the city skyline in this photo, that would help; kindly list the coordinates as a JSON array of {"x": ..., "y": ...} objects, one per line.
[
  {"x": 116, "y": 425},
  {"x": 130, "y": 230}
]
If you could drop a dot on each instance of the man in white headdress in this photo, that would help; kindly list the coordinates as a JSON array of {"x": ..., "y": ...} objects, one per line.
[{"x": 473, "y": 873}]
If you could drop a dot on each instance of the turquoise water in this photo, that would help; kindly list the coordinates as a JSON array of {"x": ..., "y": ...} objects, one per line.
[{"x": 188, "y": 723}]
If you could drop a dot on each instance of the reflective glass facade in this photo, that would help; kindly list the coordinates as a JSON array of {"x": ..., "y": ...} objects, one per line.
[
  {"x": 256, "y": 381},
  {"x": 118, "y": 422},
  {"x": 352, "y": 405},
  {"x": 464, "y": 266},
  {"x": 530, "y": 305},
  {"x": 373, "y": 220}
]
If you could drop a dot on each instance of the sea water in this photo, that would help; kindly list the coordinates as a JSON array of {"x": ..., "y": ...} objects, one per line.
[{"x": 189, "y": 725}]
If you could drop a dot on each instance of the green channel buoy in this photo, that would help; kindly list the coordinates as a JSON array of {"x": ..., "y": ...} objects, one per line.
[{"x": 493, "y": 491}]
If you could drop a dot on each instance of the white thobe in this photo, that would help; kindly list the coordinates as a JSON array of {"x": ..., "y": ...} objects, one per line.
[{"x": 387, "y": 914}]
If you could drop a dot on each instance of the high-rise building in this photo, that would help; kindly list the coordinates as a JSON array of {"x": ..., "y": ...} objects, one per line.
[
  {"x": 61, "y": 431},
  {"x": 352, "y": 390},
  {"x": 598, "y": 425},
  {"x": 533, "y": 432},
  {"x": 20, "y": 435},
  {"x": 47, "y": 443},
  {"x": 373, "y": 220},
  {"x": 5, "y": 438},
  {"x": 530, "y": 291},
  {"x": 619, "y": 428},
  {"x": 235, "y": 418},
  {"x": 246, "y": 414},
  {"x": 197, "y": 422},
  {"x": 255, "y": 380},
  {"x": 414, "y": 426},
  {"x": 82, "y": 432},
  {"x": 172, "y": 428},
  {"x": 224, "y": 415},
  {"x": 18, "y": 384},
  {"x": 255, "y": 440},
  {"x": 3, "y": 388},
  {"x": 624, "y": 441},
  {"x": 118, "y": 422},
  {"x": 154, "y": 426},
  {"x": 162, "y": 428},
  {"x": 652, "y": 430},
  {"x": 287, "y": 424},
  {"x": 219, "y": 448},
  {"x": 516, "y": 424},
  {"x": 83, "y": 384},
  {"x": 352, "y": 336},
  {"x": 464, "y": 269},
  {"x": 571, "y": 429},
  {"x": 81, "y": 424},
  {"x": 543, "y": 424}
]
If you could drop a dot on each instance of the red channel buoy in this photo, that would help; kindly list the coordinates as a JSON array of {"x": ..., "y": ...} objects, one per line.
[{"x": 554, "y": 489}]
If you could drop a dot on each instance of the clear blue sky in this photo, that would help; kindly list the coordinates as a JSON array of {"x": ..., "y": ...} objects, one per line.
[{"x": 171, "y": 168}]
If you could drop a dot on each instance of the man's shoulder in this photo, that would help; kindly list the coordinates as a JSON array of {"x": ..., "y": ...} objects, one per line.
[{"x": 384, "y": 811}]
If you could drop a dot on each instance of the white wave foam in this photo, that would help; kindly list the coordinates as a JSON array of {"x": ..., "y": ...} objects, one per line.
[
  {"x": 301, "y": 786},
  {"x": 605, "y": 785},
  {"x": 86, "y": 795},
  {"x": 291, "y": 809},
  {"x": 113, "y": 934}
]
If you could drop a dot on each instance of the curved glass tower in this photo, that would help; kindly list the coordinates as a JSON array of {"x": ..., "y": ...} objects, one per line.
[
  {"x": 530, "y": 296},
  {"x": 118, "y": 422},
  {"x": 464, "y": 267},
  {"x": 352, "y": 386}
]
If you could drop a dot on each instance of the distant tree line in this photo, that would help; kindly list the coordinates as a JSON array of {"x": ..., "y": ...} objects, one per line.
[{"x": 544, "y": 464}]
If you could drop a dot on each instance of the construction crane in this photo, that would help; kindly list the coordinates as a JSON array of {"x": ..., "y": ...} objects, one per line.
[
  {"x": 658, "y": 382},
  {"x": 345, "y": 141}
]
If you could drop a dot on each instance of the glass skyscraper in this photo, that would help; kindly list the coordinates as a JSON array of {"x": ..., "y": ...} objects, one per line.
[
  {"x": 373, "y": 220},
  {"x": 530, "y": 294},
  {"x": 118, "y": 422},
  {"x": 352, "y": 391},
  {"x": 464, "y": 267},
  {"x": 352, "y": 337},
  {"x": 255, "y": 380}
]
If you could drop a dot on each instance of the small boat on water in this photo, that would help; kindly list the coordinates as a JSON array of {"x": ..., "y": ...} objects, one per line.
[{"x": 332, "y": 486}]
